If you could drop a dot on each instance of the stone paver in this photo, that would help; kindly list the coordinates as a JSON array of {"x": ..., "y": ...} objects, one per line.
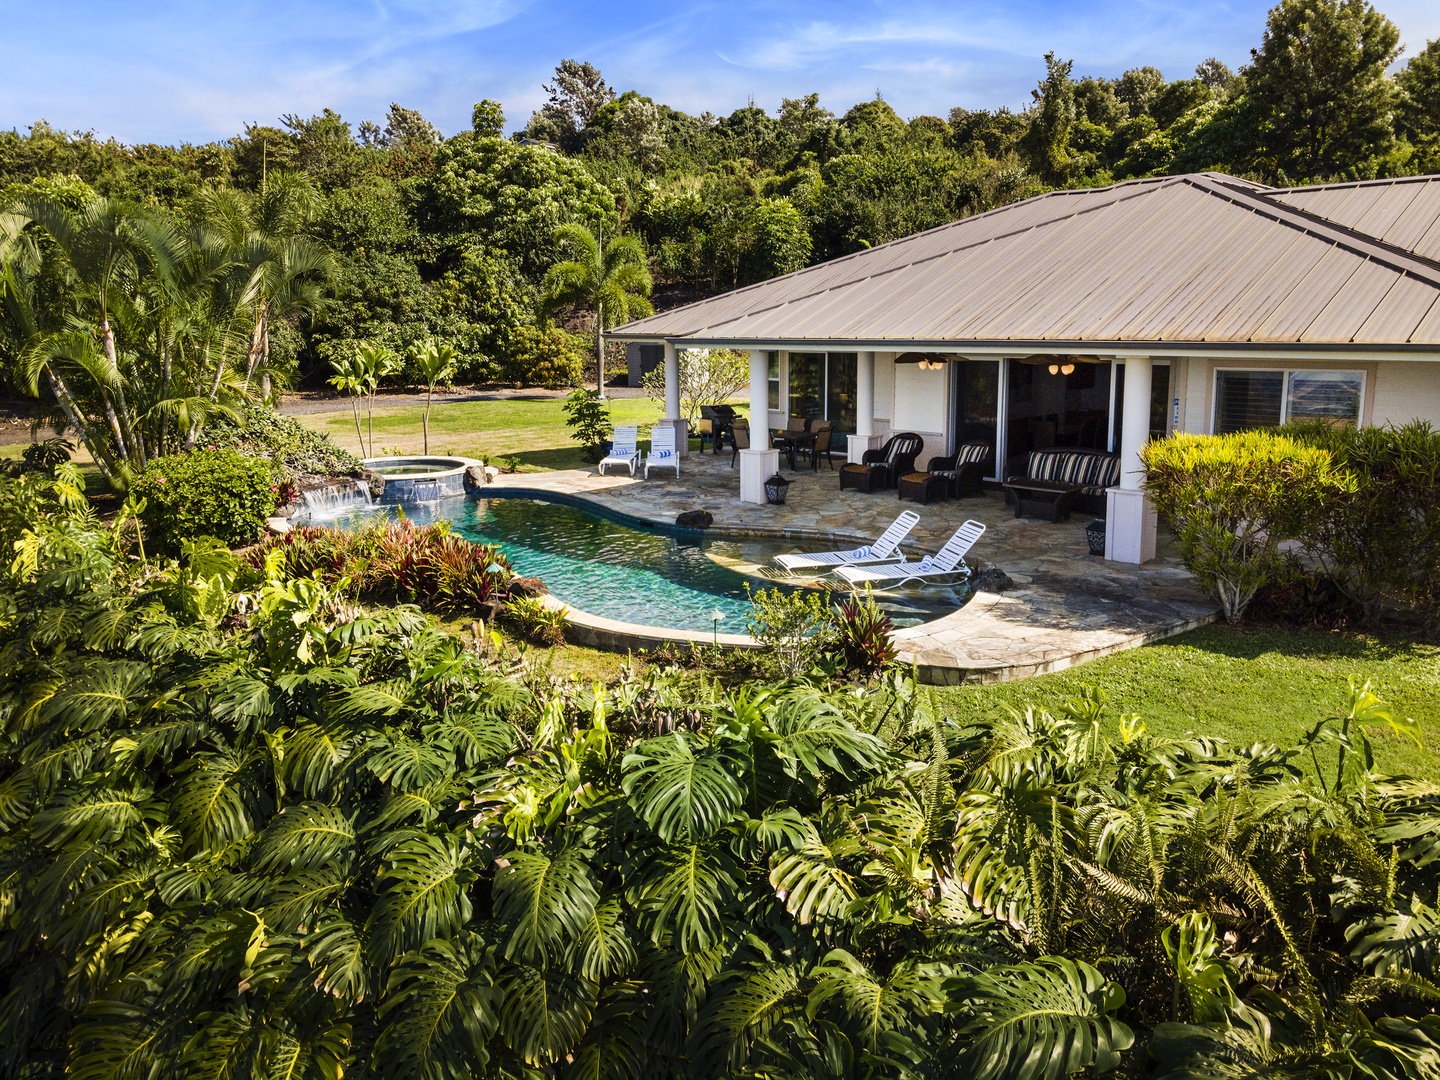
[{"x": 1068, "y": 607}]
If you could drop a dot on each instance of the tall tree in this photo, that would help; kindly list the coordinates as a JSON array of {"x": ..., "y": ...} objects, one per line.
[
  {"x": 1051, "y": 119},
  {"x": 610, "y": 279},
  {"x": 1419, "y": 84},
  {"x": 575, "y": 95},
  {"x": 1319, "y": 80}
]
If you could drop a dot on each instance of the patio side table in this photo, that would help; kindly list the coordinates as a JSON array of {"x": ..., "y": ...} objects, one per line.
[{"x": 1044, "y": 497}]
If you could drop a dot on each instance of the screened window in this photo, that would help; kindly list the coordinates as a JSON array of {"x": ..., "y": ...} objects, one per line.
[
  {"x": 775, "y": 380},
  {"x": 1248, "y": 399},
  {"x": 1255, "y": 399}
]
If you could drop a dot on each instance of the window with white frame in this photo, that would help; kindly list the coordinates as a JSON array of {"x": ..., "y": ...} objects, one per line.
[
  {"x": 774, "y": 380},
  {"x": 1252, "y": 398}
]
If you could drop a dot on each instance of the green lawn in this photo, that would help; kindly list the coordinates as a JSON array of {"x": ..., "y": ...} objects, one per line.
[
  {"x": 533, "y": 431},
  {"x": 1246, "y": 686}
]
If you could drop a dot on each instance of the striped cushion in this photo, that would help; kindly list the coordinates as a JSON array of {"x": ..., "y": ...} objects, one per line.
[
  {"x": 971, "y": 452},
  {"x": 1086, "y": 468}
]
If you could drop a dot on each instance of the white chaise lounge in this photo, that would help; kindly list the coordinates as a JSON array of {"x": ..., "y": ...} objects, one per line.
[
  {"x": 624, "y": 450},
  {"x": 662, "y": 451},
  {"x": 885, "y": 549},
  {"x": 948, "y": 561}
]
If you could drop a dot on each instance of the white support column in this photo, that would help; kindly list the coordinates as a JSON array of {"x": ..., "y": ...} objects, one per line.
[
  {"x": 1130, "y": 519},
  {"x": 672, "y": 400},
  {"x": 759, "y": 463},
  {"x": 864, "y": 436}
]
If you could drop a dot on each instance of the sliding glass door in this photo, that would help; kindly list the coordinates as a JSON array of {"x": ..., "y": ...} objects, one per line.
[
  {"x": 823, "y": 387},
  {"x": 977, "y": 403}
]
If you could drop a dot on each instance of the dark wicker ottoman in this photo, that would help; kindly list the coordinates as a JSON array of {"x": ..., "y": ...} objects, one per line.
[
  {"x": 865, "y": 478},
  {"x": 922, "y": 487}
]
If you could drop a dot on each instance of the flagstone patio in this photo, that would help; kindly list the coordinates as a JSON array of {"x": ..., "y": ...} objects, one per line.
[{"x": 1067, "y": 607}]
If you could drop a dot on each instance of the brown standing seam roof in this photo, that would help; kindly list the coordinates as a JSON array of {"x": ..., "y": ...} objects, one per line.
[{"x": 1202, "y": 258}]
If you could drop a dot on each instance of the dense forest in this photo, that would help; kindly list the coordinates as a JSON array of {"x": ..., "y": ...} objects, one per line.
[{"x": 428, "y": 236}]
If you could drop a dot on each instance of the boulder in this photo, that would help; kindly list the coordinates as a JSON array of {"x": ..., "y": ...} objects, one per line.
[
  {"x": 695, "y": 519},
  {"x": 375, "y": 482},
  {"x": 476, "y": 476},
  {"x": 992, "y": 579},
  {"x": 527, "y": 586}
]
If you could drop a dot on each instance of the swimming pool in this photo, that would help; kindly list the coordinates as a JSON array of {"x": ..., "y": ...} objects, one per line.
[{"x": 674, "y": 578}]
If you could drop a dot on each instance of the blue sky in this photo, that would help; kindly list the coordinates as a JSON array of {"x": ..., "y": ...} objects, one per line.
[{"x": 167, "y": 71}]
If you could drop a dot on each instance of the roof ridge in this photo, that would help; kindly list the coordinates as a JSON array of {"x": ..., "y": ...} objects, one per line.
[
  {"x": 1371, "y": 247},
  {"x": 1379, "y": 181},
  {"x": 1155, "y": 182}
]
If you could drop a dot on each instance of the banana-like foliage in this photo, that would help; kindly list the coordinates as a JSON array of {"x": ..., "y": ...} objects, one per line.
[{"x": 268, "y": 833}]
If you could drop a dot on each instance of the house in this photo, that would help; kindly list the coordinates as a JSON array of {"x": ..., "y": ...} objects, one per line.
[{"x": 1098, "y": 319}]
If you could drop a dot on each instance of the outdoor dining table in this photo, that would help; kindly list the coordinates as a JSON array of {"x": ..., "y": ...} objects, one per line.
[{"x": 792, "y": 441}]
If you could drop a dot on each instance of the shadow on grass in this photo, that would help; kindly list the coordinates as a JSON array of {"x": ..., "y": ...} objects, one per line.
[
  {"x": 1252, "y": 642},
  {"x": 559, "y": 457}
]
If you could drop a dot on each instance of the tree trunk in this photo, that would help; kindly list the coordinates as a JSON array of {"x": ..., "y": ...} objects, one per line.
[
  {"x": 600, "y": 350},
  {"x": 252, "y": 355},
  {"x": 265, "y": 359},
  {"x": 87, "y": 438},
  {"x": 130, "y": 445},
  {"x": 359, "y": 435},
  {"x": 429, "y": 392}
]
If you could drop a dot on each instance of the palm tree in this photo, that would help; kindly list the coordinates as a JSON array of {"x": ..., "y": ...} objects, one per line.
[
  {"x": 613, "y": 281},
  {"x": 374, "y": 361},
  {"x": 350, "y": 378},
  {"x": 436, "y": 362}
]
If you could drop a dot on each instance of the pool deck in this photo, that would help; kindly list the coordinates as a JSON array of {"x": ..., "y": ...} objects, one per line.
[{"x": 1067, "y": 606}]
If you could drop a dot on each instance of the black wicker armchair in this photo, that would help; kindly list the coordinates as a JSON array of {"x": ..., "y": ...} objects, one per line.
[{"x": 879, "y": 469}]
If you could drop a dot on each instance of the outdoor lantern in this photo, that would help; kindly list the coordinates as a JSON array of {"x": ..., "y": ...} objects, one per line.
[
  {"x": 1095, "y": 536},
  {"x": 775, "y": 489},
  {"x": 716, "y": 618}
]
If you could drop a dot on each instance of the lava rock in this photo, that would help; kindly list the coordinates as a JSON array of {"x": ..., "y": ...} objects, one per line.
[
  {"x": 992, "y": 579},
  {"x": 695, "y": 519},
  {"x": 476, "y": 476},
  {"x": 375, "y": 482},
  {"x": 527, "y": 586}
]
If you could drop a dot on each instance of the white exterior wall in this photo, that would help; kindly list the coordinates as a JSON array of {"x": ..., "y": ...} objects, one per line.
[
  {"x": 922, "y": 405},
  {"x": 1405, "y": 390},
  {"x": 884, "y": 389}
]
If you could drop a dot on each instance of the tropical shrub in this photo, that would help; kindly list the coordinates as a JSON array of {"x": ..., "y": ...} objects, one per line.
[
  {"x": 295, "y": 450},
  {"x": 544, "y": 356},
  {"x": 1233, "y": 500},
  {"x": 275, "y": 831},
  {"x": 536, "y": 622},
  {"x": 1379, "y": 538},
  {"x": 219, "y": 493},
  {"x": 589, "y": 422},
  {"x": 392, "y": 561},
  {"x": 45, "y": 456}
]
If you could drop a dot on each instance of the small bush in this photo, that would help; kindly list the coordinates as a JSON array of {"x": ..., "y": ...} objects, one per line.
[
  {"x": 589, "y": 422},
  {"x": 1233, "y": 500},
  {"x": 219, "y": 493},
  {"x": 544, "y": 356},
  {"x": 282, "y": 440},
  {"x": 535, "y": 622},
  {"x": 862, "y": 635},
  {"x": 796, "y": 631},
  {"x": 1379, "y": 539}
]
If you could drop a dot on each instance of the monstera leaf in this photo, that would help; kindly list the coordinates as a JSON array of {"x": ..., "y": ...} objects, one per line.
[
  {"x": 1041, "y": 1020},
  {"x": 683, "y": 793}
]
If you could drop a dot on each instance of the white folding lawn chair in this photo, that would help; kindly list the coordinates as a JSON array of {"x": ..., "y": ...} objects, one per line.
[
  {"x": 949, "y": 561},
  {"x": 624, "y": 450},
  {"x": 885, "y": 549},
  {"x": 662, "y": 451}
]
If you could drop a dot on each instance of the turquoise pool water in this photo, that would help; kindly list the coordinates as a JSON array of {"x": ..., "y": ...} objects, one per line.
[{"x": 636, "y": 574}]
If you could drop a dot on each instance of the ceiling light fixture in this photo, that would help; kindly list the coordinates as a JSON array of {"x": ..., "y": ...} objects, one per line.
[
  {"x": 1054, "y": 369},
  {"x": 1067, "y": 369}
]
